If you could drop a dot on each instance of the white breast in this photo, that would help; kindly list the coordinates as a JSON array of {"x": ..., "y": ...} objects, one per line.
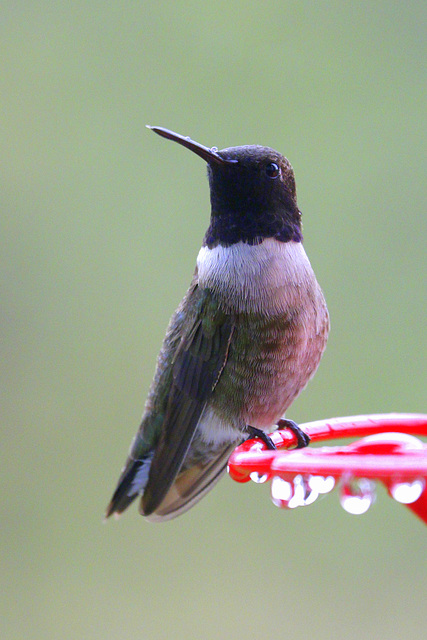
[{"x": 266, "y": 277}]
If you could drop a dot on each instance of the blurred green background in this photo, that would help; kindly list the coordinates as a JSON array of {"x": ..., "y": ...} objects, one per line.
[{"x": 101, "y": 222}]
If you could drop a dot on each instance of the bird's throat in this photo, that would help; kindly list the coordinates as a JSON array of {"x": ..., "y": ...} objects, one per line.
[{"x": 267, "y": 277}]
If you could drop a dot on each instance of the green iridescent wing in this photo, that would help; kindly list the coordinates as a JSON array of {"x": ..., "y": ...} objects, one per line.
[{"x": 196, "y": 367}]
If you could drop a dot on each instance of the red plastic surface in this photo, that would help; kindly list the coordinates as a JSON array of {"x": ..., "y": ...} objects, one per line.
[{"x": 390, "y": 457}]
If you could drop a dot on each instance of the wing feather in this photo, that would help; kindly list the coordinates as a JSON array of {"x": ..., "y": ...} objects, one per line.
[
  {"x": 197, "y": 365},
  {"x": 190, "y": 486}
]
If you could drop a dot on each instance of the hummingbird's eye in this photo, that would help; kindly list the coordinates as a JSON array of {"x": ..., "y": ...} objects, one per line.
[{"x": 272, "y": 170}]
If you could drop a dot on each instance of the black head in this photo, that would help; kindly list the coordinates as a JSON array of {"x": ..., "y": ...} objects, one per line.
[{"x": 253, "y": 194}]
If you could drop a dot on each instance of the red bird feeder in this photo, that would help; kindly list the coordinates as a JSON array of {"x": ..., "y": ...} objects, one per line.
[{"x": 388, "y": 452}]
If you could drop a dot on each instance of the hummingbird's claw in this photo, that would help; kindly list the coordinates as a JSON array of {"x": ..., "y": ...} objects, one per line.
[
  {"x": 258, "y": 433},
  {"x": 303, "y": 440}
]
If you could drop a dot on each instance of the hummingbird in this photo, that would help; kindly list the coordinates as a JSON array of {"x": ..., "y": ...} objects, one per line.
[{"x": 243, "y": 343}]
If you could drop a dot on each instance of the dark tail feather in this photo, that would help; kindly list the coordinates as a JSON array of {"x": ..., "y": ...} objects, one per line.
[{"x": 127, "y": 488}]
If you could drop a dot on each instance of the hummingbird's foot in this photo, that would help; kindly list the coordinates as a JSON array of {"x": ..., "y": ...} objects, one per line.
[
  {"x": 258, "y": 433},
  {"x": 303, "y": 440}
]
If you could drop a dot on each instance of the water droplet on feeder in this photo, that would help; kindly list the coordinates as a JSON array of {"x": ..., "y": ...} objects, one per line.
[
  {"x": 357, "y": 495},
  {"x": 214, "y": 149},
  {"x": 321, "y": 484},
  {"x": 291, "y": 495},
  {"x": 281, "y": 492},
  {"x": 259, "y": 478},
  {"x": 407, "y": 492},
  {"x": 304, "y": 493}
]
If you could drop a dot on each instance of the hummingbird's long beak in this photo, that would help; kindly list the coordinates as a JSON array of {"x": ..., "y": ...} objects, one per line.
[{"x": 208, "y": 154}]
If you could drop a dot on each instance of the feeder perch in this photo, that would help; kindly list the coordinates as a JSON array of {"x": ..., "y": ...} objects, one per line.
[{"x": 388, "y": 451}]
